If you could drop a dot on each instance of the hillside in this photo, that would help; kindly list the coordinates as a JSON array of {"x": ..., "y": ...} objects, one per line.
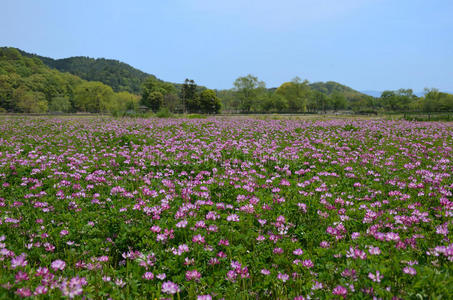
[
  {"x": 331, "y": 87},
  {"x": 120, "y": 76},
  {"x": 28, "y": 85}
]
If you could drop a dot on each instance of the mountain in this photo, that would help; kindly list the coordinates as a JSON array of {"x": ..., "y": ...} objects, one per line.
[
  {"x": 120, "y": 76},
  {"x": 331, "y": 87}
]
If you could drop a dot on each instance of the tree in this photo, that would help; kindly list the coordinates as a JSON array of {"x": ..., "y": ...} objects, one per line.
[
  {"x": 190, "y": 101},
  {"x": 296, "y": 94},
  {"x": 279, "y": 103},
  {"x": 209, "y": 103},
  {"x": 172, "y": 102},
  {"x": 154, "y": 91},
  {"x": 60, "y": 104},
  {"x": 320, "y": 101},
  {"x": 94, "y": 97},
  {"x": 247, "y": 89},
  {"x": 125, "y": 101},
  {"x": 155, "y": 101},
  {"x": 338, "y": 101},
  {"x": 30, "y": 102}
]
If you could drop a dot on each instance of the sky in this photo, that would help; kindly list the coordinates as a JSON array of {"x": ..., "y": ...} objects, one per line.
[{"x": 365, "y": 44}]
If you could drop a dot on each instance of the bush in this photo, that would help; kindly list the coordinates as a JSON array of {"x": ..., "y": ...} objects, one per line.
[{"x": 164, "y": 113}]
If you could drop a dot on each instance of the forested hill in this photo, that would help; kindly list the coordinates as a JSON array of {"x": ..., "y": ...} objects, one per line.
[
  {"x": 120, "y": 76},
  {"x": 27, "y": 85},
  {"x": 331, "y": 87}
]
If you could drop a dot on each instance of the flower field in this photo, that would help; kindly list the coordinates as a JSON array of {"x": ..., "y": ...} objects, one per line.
[{"x": 225, "y": 208}]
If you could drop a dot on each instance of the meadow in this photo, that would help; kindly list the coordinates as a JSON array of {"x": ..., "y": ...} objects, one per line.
[{"x": 234, "y": 208}]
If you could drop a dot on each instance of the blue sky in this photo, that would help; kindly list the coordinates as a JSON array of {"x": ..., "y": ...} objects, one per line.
[{"x": 366, "y": 44}]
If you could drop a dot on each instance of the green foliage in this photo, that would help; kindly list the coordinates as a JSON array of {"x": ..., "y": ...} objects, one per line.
[
  {"x": 319, "y": 101},
  {"x": 209, "y": 103},
  {"x": 164, "y": 113},
  {"x": 338, "y": 101},
  {"x": 60, "y": 104},
  {"x": 189, "y": 96},
  {"x": 296, "y": 94},
  {"x": 154, "y": 91},
  {"x": 437, "y": 101},
  {"x": 94, "y": 97},
  {"x": 247, "y": 89},
  {"x": 331, "y": 87},
  {"x": 30, "y": 102},
  {"x": 118, "y": 75}
]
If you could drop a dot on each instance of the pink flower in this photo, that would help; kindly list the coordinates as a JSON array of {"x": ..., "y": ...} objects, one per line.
[
  {"x": 19, "y": 261},
  {"x": 58, "y": 265},
  {"x": 233, "y": 218},
  {"x": 193, "y": 275},
  {"x": 375, "y": 277},
  {"x": 278, "y": 251},
  {"x": 265, "y": 272},
  {"x": 374, "y": 250},
  {"x": 199, "y": 239},
  {"x": 148, "y": 276},
  {"x": 298, "y": 252},
  {"x": 283, "y": 277},
  {"x": 40, "y": 290},
  {"x": 307, "y": 263},
  {"x": 340, "y": 291},
  {"x": 409, "y": 270}
]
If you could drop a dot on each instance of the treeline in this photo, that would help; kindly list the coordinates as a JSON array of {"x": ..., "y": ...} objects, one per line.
[
  {"x": 188, "y": 99},
  {"x": 28, "y": 85},
  {"x": 250, "y": 95}
]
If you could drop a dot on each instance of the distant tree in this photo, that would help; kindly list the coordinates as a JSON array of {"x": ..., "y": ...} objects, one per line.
[
  {"x": 338, "y": 101},
  {"x": 125, "y": 101},
  {"x": 389, "y": 100},
  {"x": 434, "y": 100},
  {"x": 154, "y": 91},
  {"x": 172, "y": 102},
  {"x": 247, "y": 89},
  {"x": 320, "y": 101},
  {"x": 296, "y": 94},
  {"x": 279, "y": 103},
  {"x": 93, "y": 97},
  {"x": 189, "y": 97},
  {"x": 230, "y": 102},
  {"x": 155, "y": 100},
  {"x": 7, "y": 83},
  {"x": 60, "y": 104},
  {"x": 209, "y": 103},
  {"x": 30, "y": 102}
]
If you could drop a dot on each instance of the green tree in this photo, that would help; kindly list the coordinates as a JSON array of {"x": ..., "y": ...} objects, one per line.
[
  {"x": 189, "y": 97},
  {"x": 125, "y": 101},
  {"x": 153, "y": 89},
  {"x": 60, "y": 104},
  {"x": 155, "y": 100},
  {"x": 30, "y": 102},
  {"x": 94, "y": 97},
  {"x": 279, "y": 103},
  {"x": 320, "y": 101},
  {"x": 209, "y": 103},
  {"x": 247, "y": 89},
  {"x": 296, "y": 94},
  {"x": 338, "y": 101}
]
